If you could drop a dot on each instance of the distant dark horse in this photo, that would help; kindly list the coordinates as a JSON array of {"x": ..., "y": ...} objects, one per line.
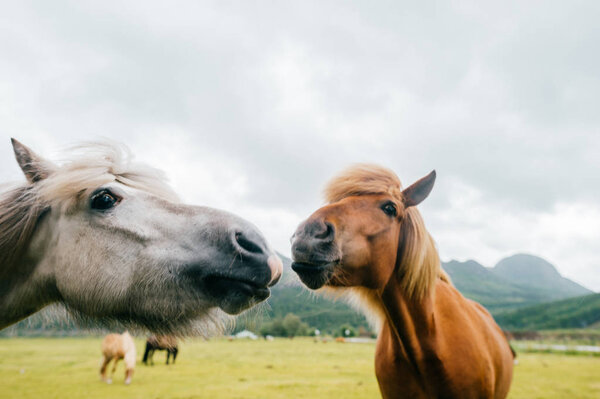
[{"x": 160, "y": 342}]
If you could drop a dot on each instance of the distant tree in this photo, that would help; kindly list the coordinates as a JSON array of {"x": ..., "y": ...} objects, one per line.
[
  {"x": 294, "y": 326},
  {"x": 290, "y": 326},
  {"x": 274, "y": 328},
  {"x": 346, "y": 331}
]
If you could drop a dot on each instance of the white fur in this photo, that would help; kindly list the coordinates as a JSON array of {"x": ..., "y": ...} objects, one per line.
[{"x": 116, "y": 266}]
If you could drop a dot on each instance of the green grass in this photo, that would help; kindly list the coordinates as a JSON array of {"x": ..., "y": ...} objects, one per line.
[
  {"x": 68, "y": 368},
  {"x": 550, "y": 376}
]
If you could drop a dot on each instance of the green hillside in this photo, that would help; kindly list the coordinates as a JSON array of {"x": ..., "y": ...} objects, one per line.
[
  {"x": 517, "y": 281},
  {"x": 579, "y": 312},
  {"x": 318, "y": 311},
  {"x": 315, "y": 310},
  {"x": 495, "y": 293}
]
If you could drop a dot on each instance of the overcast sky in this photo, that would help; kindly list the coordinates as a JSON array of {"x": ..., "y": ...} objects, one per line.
[{"x": 252, "y": 106}]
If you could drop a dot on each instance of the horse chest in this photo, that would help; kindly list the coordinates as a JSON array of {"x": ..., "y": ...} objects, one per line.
[
  {"x": 395, "y": 375},
  {"x": 398, "y": 377}
]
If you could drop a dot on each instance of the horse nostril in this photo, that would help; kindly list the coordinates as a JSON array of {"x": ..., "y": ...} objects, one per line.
[
  {"x": 327, "y": 233},
  {"x": 247, "y": 244}
]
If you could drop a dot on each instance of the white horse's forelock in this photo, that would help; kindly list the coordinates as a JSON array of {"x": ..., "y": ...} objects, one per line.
[
  {"x": 87, "y": 167},
  {"x": 94, "y": 164}
]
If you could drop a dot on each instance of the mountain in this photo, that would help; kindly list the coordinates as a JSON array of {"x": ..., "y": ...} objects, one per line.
[
  {"x": 579, "y": 312},
  {"x": 480, "y": 284},
  {"x": 534, "y": 272},
  {"x": 517, "y": 281}
]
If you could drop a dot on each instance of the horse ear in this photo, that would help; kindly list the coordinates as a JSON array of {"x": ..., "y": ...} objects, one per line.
[
  {"x": 419, "y": 190},
  {"x": 33, "y": 166}
]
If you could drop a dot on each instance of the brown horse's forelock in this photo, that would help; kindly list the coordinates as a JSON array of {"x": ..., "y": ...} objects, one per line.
[{"x": 363, "y": 179}]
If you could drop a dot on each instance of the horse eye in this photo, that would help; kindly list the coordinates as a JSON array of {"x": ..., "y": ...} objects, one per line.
[
  {"x": 389, "y": 209},
  {"x": 103, "y": 200}
]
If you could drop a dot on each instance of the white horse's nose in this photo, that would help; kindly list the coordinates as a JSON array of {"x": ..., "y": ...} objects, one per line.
[{"x": 252, "y": 244}]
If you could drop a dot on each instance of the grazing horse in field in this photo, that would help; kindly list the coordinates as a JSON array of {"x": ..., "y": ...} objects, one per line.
[
  {"x": 369, "y": 244},
  {"x": 108, "y": 239},
  {"x": 117, "y": 347},
  {"x": 160, "y": 342}
]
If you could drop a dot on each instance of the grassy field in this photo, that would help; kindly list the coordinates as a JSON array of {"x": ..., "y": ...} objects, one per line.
[{"x": 68, "y": 368}]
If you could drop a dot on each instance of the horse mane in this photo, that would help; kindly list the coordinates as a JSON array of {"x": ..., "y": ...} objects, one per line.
[
  {"x": 20, "y": 209},
  {"x": 95, "y": 164},
  {"x": 418, "y": 262},
  {"x": 91, "y": 166},
  {"x": 363, "y": 179}
]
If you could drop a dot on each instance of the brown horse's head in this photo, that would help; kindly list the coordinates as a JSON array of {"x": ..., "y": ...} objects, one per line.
[{"x": 369, "y": 229}]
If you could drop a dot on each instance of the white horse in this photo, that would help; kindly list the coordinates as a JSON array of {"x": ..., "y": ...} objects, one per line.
[
  {"x": 117, "y": 347},
  {"x": 108, "y": 238}
]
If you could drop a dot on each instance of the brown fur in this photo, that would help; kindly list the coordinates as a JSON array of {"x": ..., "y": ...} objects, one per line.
[
  {"x": 419, "y": 261},
  {"x": 160, "y": 342},
  {"x": 433, "y": 342},
  {"x": 164, "y": 341}
]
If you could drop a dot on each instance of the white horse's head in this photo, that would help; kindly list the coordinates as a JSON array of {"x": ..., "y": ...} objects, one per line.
[{"x": 108, "y": 238}]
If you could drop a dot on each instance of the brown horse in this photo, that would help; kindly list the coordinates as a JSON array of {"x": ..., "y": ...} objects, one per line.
[
  {"x": 117, "y": 347},
  {"x": 370, "y": 244},
  {"x": 160, "y": 342}
]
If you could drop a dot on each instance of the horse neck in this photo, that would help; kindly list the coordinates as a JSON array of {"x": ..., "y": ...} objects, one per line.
[
  {"x": 26, "y": 286},
  {"x": 407, "y": 298},
  {"x": 411, "y": 320},
  {"x": 414, "y": 334}
]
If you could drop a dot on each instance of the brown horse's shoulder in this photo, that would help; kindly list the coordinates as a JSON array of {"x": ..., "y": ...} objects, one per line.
[
  {"x": 447, "y": 297},
  {"x": 463, "y": 315},
  {"x": 469, "y": 328}
]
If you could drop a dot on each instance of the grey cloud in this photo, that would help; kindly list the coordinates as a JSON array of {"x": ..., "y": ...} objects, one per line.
[{"x": 501, "y": 98}]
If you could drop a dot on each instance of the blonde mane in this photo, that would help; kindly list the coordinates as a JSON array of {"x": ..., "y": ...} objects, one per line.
[
  {"x": 20, "y": 210},
  {"x": 418, "y": 263},
  {"x": 95, "y": 164},
  {"x": 91, "y": 166}
]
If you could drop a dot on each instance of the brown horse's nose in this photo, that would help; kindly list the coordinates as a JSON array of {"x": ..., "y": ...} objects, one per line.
[
  {"x": 312, "y": 238},
  {"x": 318, "y": 230},
  {"x": 323, "y": 231}
]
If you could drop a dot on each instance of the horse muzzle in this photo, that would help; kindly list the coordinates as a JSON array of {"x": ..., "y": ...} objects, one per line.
[
  {"x": 240, "y": 274},
  {"x": 314, "y": 252}
]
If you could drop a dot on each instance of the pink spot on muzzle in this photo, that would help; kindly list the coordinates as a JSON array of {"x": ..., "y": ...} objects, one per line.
[{"x": 276, "y": 267}]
